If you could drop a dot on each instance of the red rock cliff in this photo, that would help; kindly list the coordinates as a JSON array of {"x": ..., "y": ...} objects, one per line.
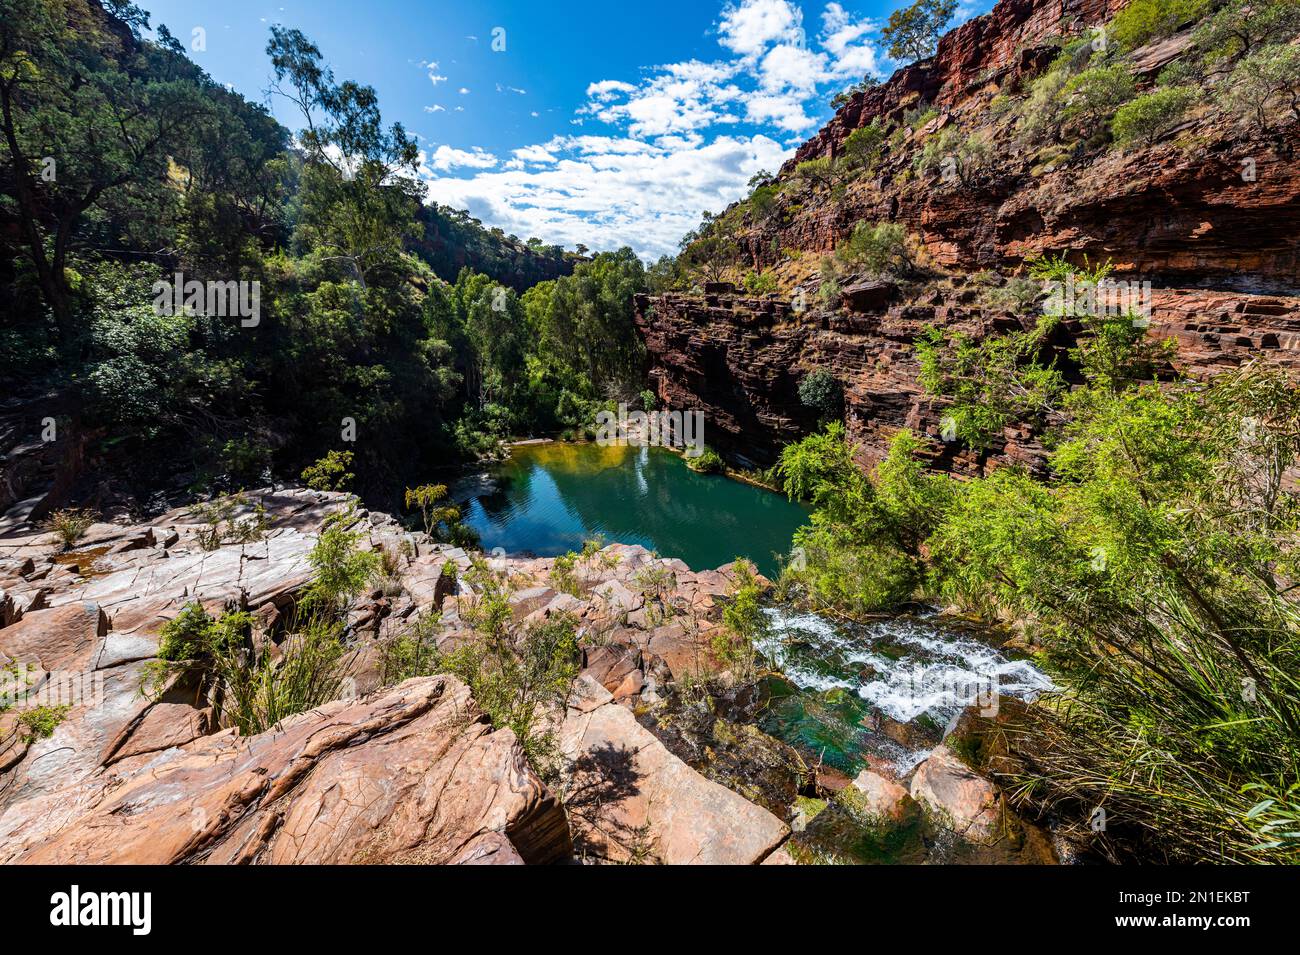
[{"x": 1219, "y": 249}]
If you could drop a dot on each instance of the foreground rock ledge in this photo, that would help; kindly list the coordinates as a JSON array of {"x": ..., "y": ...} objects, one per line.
[
  {"x": 412, "y": 774},
  {"x": 631, "y": 800}
]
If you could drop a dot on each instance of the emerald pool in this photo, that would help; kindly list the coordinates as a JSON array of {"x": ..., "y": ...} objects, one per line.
[{"x": 546, "y": 499}]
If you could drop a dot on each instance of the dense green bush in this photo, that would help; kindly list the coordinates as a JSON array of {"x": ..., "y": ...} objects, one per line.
[
  {"x": 1144, "y": 20},
  {"x": 1241, "y": 27},
  {"x": 707, "y": 461},
  {"x": 1090, "y": 98},
  {"x": 821, "y": 391},
  {"x": 1148, "y": 117},
  {"x": 743, "y": 623},
  {"x": 953, "y": 155}
]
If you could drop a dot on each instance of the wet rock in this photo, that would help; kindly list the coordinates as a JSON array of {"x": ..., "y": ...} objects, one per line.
[
  {"x": 739, "y": 756},
  {"x": 883, "y": 797},
  {"x": 957, "y": 798}
]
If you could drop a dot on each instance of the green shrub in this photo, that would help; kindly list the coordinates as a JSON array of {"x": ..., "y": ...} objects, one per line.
[
  {"x": 821, "y": 391},
  {"x": 251, "y": 691},
  {"x": 563, "y": 575},
  {"x": 857, "y": 556},
  {"x": 307, "y": 670},
  {"x": 828, "y": 289},
  {"x": 192, "y": 636},
  {"x": 1040, "y": 113},
  {"x": 40, "y": 722},
  {"x": 1091, "y": 98},
  {"x": 951, "y": 153},
  {"x": 862, "y": 147},
  {"x": 1242, "y": 27},
  {"x": 342, "y": 568},
  {"x": 707, "y": 461},
  {"x": 1147, "y": 118},
  {"x": 824, "y": 173},
  {"x": 1019, "y": 295},
  {"x": 878, "y": 248},
  {"x": 1144, "y": 20},
  {"x": 329, "y": 473},
  {"x": 1264, "y": 87},
  {"x": 743, "y": 623},
  {"x": 230, "y": 520},
  {"x": 1153, "y": 580},
  {"x": 520, "y": 676},
  {"x": 838, "y": 573},
  {"x": 441, "y": 520},
  {"x": 69, "y": 525},
  {"x": 760, "y": 283},
  {"x": 991, "y": 381},
  {"x": 919, "y": 116},
  {"x": 246, "y": 460}
]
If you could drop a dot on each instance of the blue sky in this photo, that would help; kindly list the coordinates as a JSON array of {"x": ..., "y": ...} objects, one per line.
[{"x": 605, "y": 123}]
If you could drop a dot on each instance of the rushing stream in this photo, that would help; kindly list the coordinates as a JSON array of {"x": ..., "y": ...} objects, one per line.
[{"x": 886, "y": 688}]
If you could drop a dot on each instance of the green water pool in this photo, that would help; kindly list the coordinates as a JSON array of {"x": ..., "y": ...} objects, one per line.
[{"x": 547, "y": 499}]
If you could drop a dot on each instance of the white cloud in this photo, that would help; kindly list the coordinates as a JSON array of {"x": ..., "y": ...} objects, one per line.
[
  {"x": 605, "y": 89},
  {"x": 608, "y": 192},
  {"x": 794, "y": 68},
  {"x": 783, "y": 110},
  {"x": 848, "y": 42},
  {"x": 535, "y": 154},
  {"x": 447, "y": 157},
  {"x": 463, "y": 90},
  {"x": 747, "y": 28},
  {"x": 435, "y": 108},
  {"x": 676, "y": 98},
  {"x": 435, "y": 79}
]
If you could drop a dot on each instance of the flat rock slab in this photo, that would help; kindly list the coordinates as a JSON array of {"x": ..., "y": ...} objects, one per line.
[
  {"x": 410, "y": 775},
  {"x": 610, "y": 665},
  {"x": 630, "y": 799},
  {"x": 141, "y": 597},
  {"x": 62, "y": 638}
]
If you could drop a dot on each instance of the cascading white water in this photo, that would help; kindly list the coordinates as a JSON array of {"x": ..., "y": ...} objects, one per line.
[{"x": 915, "y": 666}]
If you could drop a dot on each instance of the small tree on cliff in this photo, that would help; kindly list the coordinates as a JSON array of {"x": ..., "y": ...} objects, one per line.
[{"x": 913, "y": 32}]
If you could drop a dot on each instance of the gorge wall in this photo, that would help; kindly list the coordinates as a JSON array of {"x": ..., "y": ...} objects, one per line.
[{"x": 1219, "y": 246}]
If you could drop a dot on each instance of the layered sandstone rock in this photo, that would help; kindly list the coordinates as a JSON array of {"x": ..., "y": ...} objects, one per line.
[
  {"x": 410, "y": 775},
  {"x": 741, "y": 359}
]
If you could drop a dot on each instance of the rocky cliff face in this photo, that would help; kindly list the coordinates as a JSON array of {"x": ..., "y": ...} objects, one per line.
[
  {"x": 1218, "y": 246},
  {"x": 741, "y": 359}
]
